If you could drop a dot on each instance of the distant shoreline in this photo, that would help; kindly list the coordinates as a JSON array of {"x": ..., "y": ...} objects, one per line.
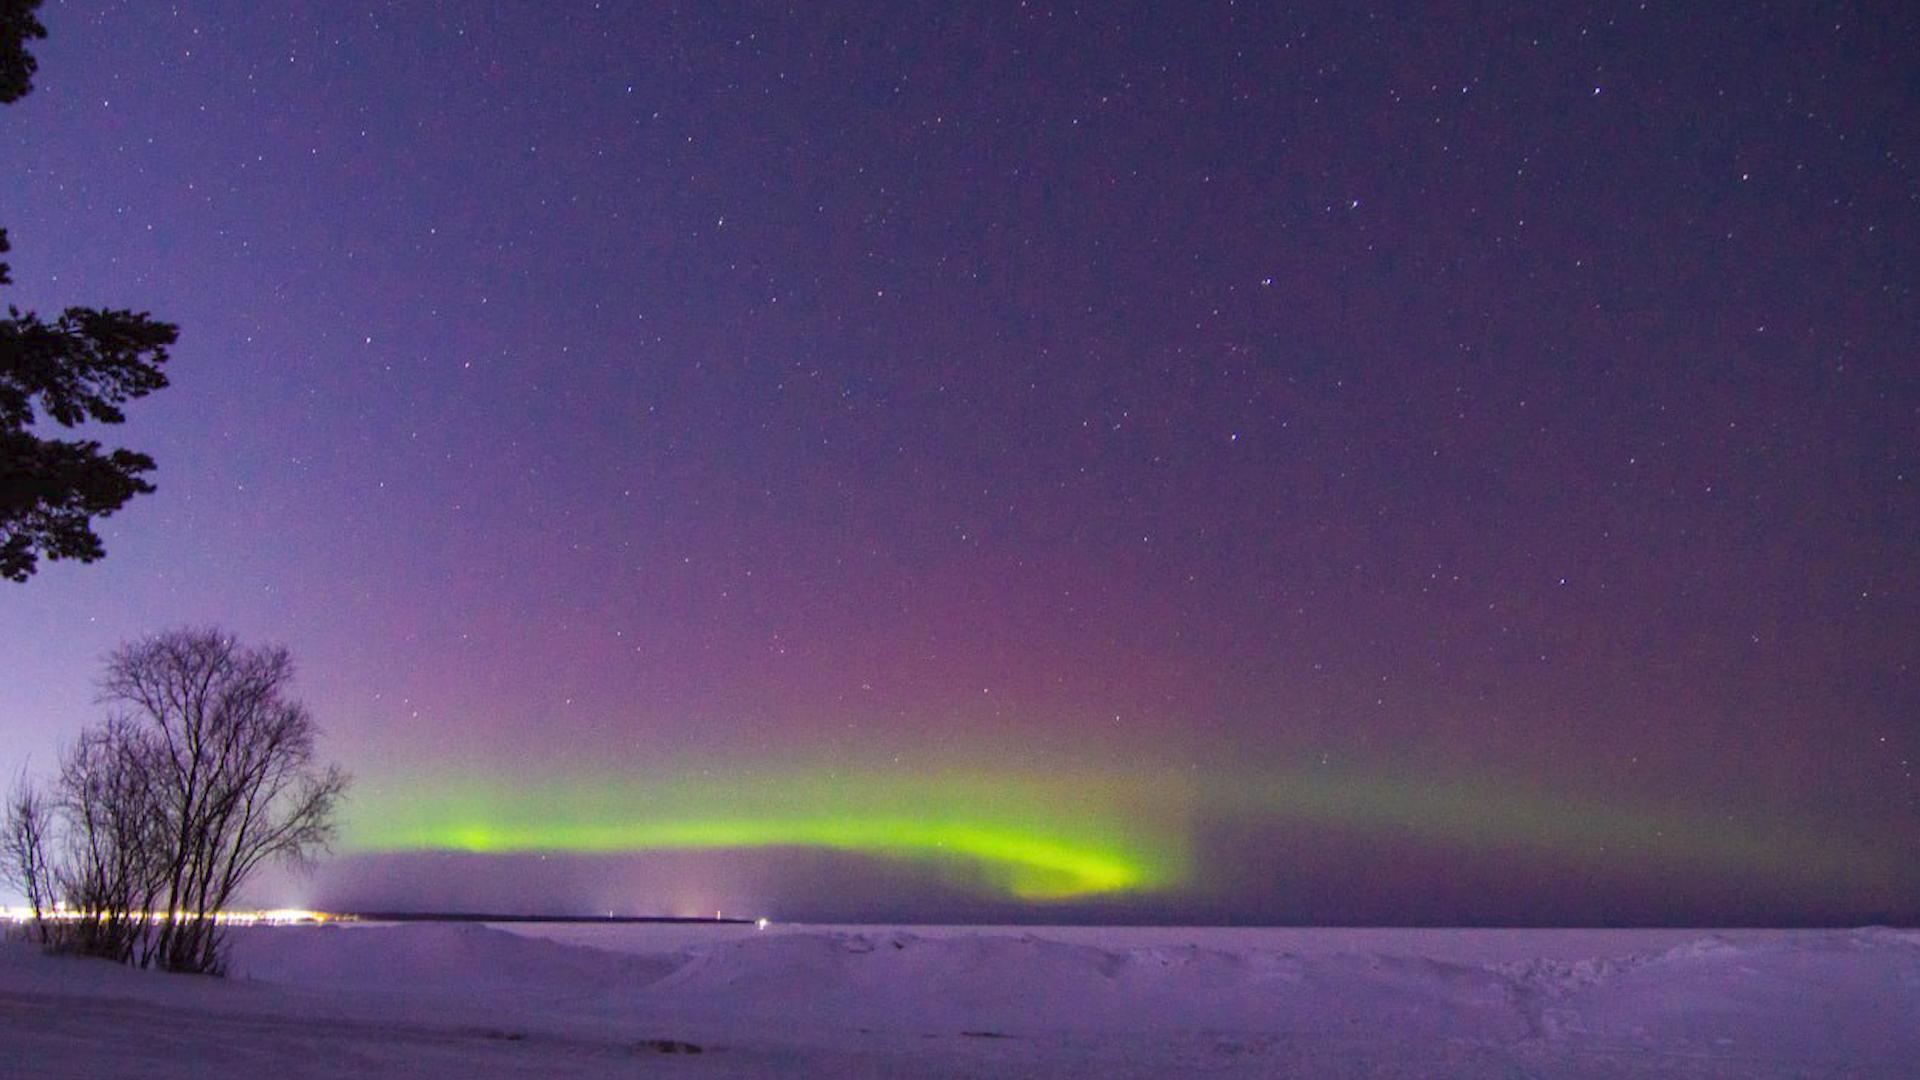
[{"x": 482, "y": 917}]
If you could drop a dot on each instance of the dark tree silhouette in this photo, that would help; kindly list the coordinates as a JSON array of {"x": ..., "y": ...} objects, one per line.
[
  {"x": 23, "y": 852},
  {"x": 17, "y": 27},
  {"x": 80, "y": 367},
  {"x": 231, "y": 758},
  {"x": 204, "y": 770}
]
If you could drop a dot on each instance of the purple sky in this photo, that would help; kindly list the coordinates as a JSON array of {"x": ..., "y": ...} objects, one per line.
[{"x": 1518, "y": 408}]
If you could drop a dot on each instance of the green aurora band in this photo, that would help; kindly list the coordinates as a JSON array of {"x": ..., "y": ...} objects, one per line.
[
  {"x": 1032, "y": 839},
  {"x": 1051, "y": 838}
]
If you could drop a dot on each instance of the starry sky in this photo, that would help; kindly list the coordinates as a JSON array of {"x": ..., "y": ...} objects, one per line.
[{"x": 1184, "y": 462}]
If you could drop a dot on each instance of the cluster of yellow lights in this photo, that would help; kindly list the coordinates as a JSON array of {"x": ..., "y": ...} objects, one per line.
[{"x": 274, "y": 917}]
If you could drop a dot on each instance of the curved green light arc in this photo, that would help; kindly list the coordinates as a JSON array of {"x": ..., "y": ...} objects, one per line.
[
  {"x": 1028, "y": 865},
  {"x": 1029, "y": 837}
]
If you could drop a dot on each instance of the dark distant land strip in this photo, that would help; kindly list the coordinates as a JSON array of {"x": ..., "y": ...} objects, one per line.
[{"x": 482, "y": 917}]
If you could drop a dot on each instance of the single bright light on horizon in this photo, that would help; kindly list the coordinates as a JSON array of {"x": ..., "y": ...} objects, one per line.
[{"x": 760, "y": 923}]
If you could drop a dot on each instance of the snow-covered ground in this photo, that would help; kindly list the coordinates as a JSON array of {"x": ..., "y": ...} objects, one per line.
[{"x": 432, "y": 1000}]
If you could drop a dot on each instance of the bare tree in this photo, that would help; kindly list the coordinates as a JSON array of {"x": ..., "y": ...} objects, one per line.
[
  {"x": 203, "y": 770},
  {"x": 114, "y": 839},
  {"x": 23, "y": 852},
  {"x": 234, "y": 774}
]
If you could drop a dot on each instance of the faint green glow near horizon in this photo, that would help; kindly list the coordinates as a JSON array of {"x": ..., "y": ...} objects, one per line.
[{"x": 1485, "y": 812}]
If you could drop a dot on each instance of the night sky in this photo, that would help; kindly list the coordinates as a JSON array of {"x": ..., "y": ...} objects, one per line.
[{"x": 1195, "y": 462}]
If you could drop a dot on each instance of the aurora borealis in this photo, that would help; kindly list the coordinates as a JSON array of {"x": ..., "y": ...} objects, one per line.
[
  {"x": 1175, "y": 463},
  {"x": 1048, "y": 839},
  {"x": 1022, "y": 838}
]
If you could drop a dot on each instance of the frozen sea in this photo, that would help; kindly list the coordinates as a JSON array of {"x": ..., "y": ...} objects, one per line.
[{"x": 697, "y": 1000}]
